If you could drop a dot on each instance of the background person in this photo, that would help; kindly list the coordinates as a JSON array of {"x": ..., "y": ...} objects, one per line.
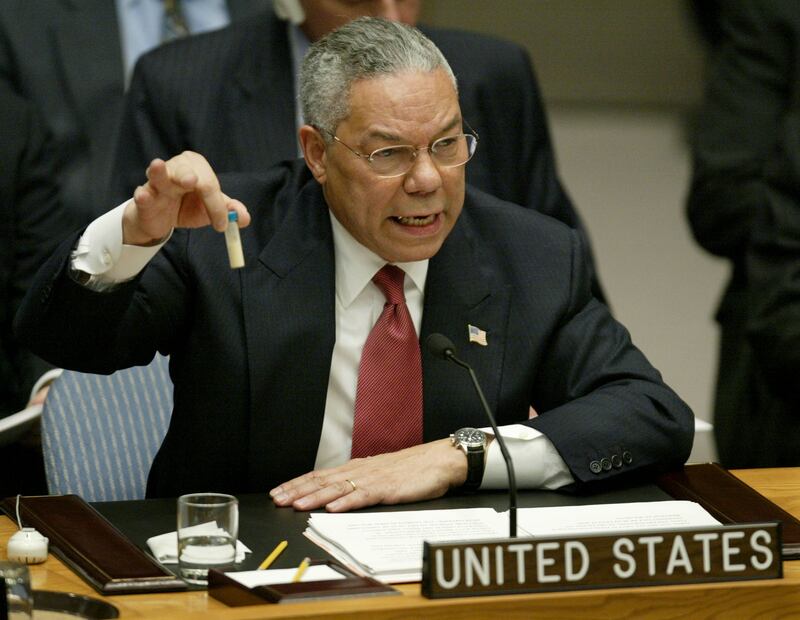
[
  {"x": 31, "y": 225},
  {"x": 746, "y": 137},
  {"x": 71, "y": 60}
]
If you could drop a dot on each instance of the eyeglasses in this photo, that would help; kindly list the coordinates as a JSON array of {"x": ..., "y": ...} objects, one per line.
[{"x": 395, "y": 161}]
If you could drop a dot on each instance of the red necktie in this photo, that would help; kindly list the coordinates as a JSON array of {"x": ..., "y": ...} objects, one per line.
[{"x": 388, "y": 411}]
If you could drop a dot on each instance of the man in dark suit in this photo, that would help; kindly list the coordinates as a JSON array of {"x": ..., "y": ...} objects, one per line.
[
  {"x": 231, "y": 96},
  {"x": 745, "y": 142},
  {"x": 31, "y": 227},
  {"x": 65, "y": 57},
  {"x": 267, "y": 360}
]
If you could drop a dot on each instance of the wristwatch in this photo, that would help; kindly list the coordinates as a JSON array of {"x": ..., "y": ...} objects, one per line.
[{"x": 473, "y": 443}]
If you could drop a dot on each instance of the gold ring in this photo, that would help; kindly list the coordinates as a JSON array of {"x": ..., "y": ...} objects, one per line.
[{"x": 352, "y": 484}]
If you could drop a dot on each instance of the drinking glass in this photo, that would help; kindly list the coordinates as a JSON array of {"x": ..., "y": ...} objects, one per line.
[
  {"x": 208, "y": 525},
  {"x": 17, "y": 590}
]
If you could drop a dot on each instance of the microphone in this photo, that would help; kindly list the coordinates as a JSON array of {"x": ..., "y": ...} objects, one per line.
[{"x": 441, "y": 346}]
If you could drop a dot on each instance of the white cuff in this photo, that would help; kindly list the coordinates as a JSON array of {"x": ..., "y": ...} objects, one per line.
[
  {"x": 537, "y": 464},
  {"x": 101, "y": 253}
]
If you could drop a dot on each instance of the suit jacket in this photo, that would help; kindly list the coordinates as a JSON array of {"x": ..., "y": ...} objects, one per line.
[
  {"x": 251, "y": 348},
  {"x": 65, "y": 57},
  {"x": 30, "y": 228},
  {"x": 230, "y": 96},
  {"x": 746, "y": 138}
]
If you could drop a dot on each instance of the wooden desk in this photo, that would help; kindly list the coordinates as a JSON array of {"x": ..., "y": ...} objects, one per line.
[{"x": 762, "y": 599}]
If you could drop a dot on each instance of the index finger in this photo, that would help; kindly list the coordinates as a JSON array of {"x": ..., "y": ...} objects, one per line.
[{"x": 192, "y": 170}]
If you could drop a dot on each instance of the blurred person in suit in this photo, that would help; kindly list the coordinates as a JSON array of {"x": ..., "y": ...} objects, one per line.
[
  {"x": 31, "y": 226},
  {"x": 744, "y": 184},
  {"x": 232, "y": 95},
  {"x": 71, "y": 60},
  {"x": 308, "y": 359}
]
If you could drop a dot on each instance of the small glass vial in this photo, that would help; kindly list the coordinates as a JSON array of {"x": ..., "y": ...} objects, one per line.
[{"x": 234, "y": 241}]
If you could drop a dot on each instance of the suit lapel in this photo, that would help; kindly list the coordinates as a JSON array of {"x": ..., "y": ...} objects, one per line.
[
  {"x": 290, "y": 341},
  {"x": 89, "y": 43},
  {"x": 262, "y": 106},
  {"x": 460, "y": 291}
]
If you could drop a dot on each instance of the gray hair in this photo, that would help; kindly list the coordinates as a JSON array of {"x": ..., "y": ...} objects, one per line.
[{"x": 361, "y": 49}]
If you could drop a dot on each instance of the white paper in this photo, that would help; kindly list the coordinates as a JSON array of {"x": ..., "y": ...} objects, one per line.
[
  {"x": 382, "y": 543},
  {"x": 610, "y": 518},
  {"x": 253, "y": 578},
  {"x": 388, "y": 545}
]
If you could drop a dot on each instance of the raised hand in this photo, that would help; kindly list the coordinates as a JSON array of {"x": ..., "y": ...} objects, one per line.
[{"x": 183, "y": 192}]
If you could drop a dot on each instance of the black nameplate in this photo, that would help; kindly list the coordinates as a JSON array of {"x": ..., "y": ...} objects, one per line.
[{"x": 643, "y": 558}]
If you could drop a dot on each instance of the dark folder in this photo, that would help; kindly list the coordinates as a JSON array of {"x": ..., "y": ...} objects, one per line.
[
  {"x": 730, "y": 500},
  {"x": 91, "y": 546}
]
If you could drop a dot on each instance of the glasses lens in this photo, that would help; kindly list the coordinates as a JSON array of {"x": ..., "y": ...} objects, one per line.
[
  {"x": 453, "y": 150},
  {"x": 392, "y": 160}
]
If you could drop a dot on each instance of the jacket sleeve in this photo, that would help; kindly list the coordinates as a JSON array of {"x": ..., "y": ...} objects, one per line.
[{"x": 602, "y": 404}]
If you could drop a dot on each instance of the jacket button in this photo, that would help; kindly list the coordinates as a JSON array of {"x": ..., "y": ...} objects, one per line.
[
  {"x": 595, "y": 467},
  {"x": 605, "y": 464},
  {"x": 616, "y": 461},
  {"x": 627, "y": 457}
]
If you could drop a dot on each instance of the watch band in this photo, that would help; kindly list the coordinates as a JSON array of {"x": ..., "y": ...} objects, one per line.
[
  {"x": 472, "y": 442},
  {"x": 476, "y": 459}
]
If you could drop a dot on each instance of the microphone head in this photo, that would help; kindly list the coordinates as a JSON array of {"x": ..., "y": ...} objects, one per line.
[{"x": 440, "y": 345}]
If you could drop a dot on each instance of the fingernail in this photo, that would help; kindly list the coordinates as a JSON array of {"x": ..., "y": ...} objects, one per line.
[
  {"x": 302, "y": 503},
  {"x": 281, "y": 498}
]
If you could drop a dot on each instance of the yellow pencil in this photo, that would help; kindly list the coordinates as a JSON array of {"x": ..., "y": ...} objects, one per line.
[
  {"x": 272, "y": 556},
  {"x": 300, "y": 570}
]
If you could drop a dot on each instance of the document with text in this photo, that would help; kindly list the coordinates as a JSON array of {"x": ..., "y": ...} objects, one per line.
[{"x": 388, "y": 545}]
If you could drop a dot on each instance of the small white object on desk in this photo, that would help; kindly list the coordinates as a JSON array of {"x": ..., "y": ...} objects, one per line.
[
  {"x": 165, "y": 546},
  {"x": 253, "y": 578},
  {"x": 27, "y": 545}
]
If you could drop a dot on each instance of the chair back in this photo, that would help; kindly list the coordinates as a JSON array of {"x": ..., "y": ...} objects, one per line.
[{"x": 100, "y": 433}]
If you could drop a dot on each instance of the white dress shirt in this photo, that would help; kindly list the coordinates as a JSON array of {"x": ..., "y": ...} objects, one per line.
[{"x": 359, "y": 302}]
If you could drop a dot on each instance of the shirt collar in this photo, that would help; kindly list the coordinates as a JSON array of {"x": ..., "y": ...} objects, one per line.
[{"x": 356, "y": 265}]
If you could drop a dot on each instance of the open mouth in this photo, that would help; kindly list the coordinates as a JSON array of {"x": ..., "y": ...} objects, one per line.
[{"x": 416, "y": 220}]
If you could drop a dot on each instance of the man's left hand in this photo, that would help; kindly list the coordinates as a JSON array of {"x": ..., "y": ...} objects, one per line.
[{"x": 414, "y": 474}]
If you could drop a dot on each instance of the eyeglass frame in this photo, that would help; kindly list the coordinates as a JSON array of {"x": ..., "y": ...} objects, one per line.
[{"x": 417, "y": 149}]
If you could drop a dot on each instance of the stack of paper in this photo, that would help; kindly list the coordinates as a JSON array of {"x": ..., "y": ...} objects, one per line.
[{"x": 388, "y": 545}]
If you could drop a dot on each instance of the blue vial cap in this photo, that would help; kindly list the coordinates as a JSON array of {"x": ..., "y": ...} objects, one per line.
[{"x": 233, "y": 216}]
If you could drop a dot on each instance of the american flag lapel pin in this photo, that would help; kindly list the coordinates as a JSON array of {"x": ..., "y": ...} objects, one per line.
[{"x": 477, "y": 335}]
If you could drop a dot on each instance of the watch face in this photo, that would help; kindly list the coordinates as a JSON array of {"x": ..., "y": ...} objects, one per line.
[{"x": 470, "y": 437}]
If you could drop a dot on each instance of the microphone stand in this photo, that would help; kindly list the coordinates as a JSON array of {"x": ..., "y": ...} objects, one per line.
[{"x": 512, "y": 480}]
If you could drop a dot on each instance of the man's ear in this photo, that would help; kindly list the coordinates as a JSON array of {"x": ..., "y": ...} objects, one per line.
[{"x": 313, "y": 145}]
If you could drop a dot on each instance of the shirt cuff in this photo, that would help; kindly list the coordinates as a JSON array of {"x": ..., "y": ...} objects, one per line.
[
  {"x": 537, "y": 464},
  {"x": 101, "y": 253}
]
